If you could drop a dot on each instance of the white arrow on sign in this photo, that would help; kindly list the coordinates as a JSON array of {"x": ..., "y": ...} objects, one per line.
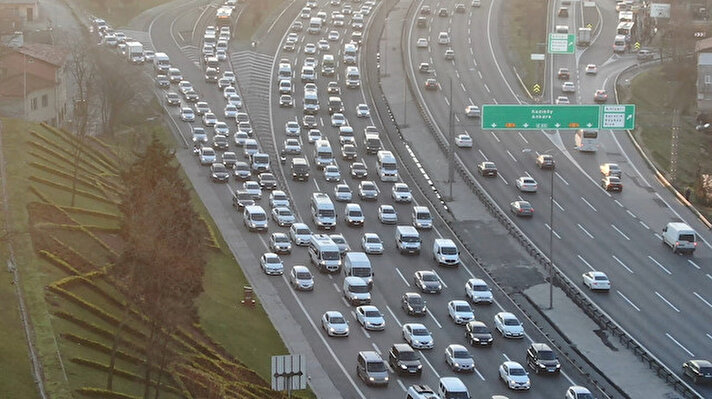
[
  {"x": 557, "y": 124},
  {"x": 494, "y": 125},
  {"x": 526, "y": 125},
  {"x": 629, "y": 117},
  {"x": 589, "y": 124}
]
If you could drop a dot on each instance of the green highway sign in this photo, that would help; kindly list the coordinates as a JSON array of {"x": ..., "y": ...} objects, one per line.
[
  {"x": 561, "y": 43},
  {"x": 538, "y": 117}
]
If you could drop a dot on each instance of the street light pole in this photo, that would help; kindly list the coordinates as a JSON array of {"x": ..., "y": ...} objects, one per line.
[
  {"x": 451, "y": 147},
  {"x": 551, "y": 244}
]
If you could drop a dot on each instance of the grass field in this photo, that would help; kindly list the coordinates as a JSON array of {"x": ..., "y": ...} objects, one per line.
[
  {"x": 524, "y": 30},
  {"x": 655, "y": 96},
  {"x": 63, "y": 253},
  {"x": 254, "y": 15}
]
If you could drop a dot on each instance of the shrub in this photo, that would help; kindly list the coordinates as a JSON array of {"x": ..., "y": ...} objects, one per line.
[{"x": 103, "y": 393}]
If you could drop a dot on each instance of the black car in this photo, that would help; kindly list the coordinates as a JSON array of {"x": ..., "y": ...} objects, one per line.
[
  {"x": 219, "y": 173},
  {"x": 267, "y": 181},
  {"x": 404, "y": 360},
  {"x": 542, "y": 359},
  {"x": 163, "y": 81},
  {"x": 348, "y": 152},
  {"x": 477, "y": 333},
  {"x": 413, "y": 304},
  {"x": 191, "y": 96},
  {"x": 359, "y": 170},
  {"x": 300, "y": 169},
  {"x": 700, "y": 371},
  {"x": 242, "y": 199},
  {"x": 427, "y": 281}
]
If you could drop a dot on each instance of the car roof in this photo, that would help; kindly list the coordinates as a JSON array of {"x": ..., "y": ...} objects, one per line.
[
  {"x": 457, "y": 347},
  {"x": 452, "y": 383},
  {"x": 370, "y": 356},
  {"x": 333, "y": 313},
  {"x": 506, "y": 315},
  {"x": 403, "y": 348},
  {"x": 510, "y": 364},
  {"x": 300, "y": 268},
  {"x": 537, "y": 346},
  {"x": 458, "y": 302}
]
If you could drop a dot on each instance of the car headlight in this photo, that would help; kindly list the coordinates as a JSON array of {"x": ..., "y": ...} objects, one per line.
[
  {"x": 456, "y": 364},
  {"x": 542, "y": 366},
  {"x": 475, "y": 339},
  {"x": 403, "y": 366},
  {"x": 420, "y": 366},
  {"x": 371, "y": 379},
  {"x": 331, "y": 329}
]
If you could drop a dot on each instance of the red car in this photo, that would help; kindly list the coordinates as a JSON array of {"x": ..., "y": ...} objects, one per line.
[{"x": 600, "y": 96}]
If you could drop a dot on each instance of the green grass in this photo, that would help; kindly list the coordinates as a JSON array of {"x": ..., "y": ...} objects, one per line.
[
  {"x": 118, "y": 13},
  {"x": 254, "y": 15},
  {"x": 524, "y": 30},
  {"x": 655, "y": 96}
]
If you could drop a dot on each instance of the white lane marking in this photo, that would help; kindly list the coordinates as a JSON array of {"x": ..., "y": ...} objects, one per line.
[
  {"x": 620, "y": 232},
  {"x": 631, "y": 214},
  {"x": 503, "y": 179},
  {"x": 694, "y": 264},
  {"x": 345, "y": 301},
  {"x": 447, "y": 101},
  {"x": 589, "y": 204},
  {"x": 511, "y": 156},
  {"x": 554, "y": 231},
  {"x": 495, "y": 136},
  {"x": 643, "y": 224},
  {"x": 486, "y": 87},
  {"x": 659, "y": 265},
  {"x": 479, "y": 374},
  {"x": 434, "y": 319},
  {"x": 702, "y": 299},
  {"x": 628, "y": 300},
  {"x": 679, "y": 344},
  {"x": 483, "y": 154},
  {"x": 441, "y": 280},
  {"x": 400, "y": 383},
  {"x": 402, "y": 277},
  {"x": 616, "y": 201},
  {"x": 522, "y": 136},
  {"x": 709, "y": 276},
  {"x": 479, "y": 73},
  {"x": 429, "y": 364},
  {"x": 359, "y": 324},
  {"x": 666, "y": 301},
  {"x": 463, "y": 87},
  {"x": 587, "y": 264},
  {"x": 559, "y": 206},
  {"x": 505, "y": 357},
  {"x": 394, "y": 316},
  {"x": 337, "y": 288},
  {"x": 584, "y": 230},
  {"x": 708, "y": 336},
  {"x": 622, "y": 264},
  {"x": 376, "y": 347},
  {"x": 658, "y": 236},
  {"x": 562, "y": 179}
]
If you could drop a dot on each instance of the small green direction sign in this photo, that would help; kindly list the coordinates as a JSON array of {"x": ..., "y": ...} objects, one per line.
[
  {"x": 561, "y": 43},
  {"x": 537, "y": 117}
]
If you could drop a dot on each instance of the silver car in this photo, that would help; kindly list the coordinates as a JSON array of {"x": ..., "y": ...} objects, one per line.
[
  {"x": 300, "y": 234},
  {"x": 459, "y": 359},
  {"x": 342, "y": 192},
  {"x": 271, "y": 264},
  {"x": 370, "y": 318},
  {"x": 279, "y": 243},
  {"x": 335, "y": 324},
  {"x": 372, "y": 244},
  {"x": 283, "y": 216},
  {"x": 301, "y": 278},
  {"x": 368, "y": 190}
]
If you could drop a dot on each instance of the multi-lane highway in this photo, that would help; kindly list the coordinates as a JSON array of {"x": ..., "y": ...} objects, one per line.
[
  {"x": 393, "y": 272},
  {"x": 661, "y": 299}
]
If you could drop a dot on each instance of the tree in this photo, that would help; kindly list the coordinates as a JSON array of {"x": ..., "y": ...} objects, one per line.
[
  {"x": 117, "y": 89},
  {"x": 161, "y": 266}
]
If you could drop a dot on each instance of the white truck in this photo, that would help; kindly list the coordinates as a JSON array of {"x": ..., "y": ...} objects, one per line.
[
  {"x": 583, "y": 39},
  {"x": 134, "y": 52}
]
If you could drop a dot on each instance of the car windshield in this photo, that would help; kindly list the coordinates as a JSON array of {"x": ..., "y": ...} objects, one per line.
[
  {"x": 461, "y": 355},
  {"x": 303, "y": 231},
  {"x": 327, "y": 213},
  {"x": 401, "y": 189},
  {"x": 462, "y": 308},
  {"x": 511, "y": 322},
  {"x": 259, "y": 217},
  {"x": 547, "y": 355},
  {"x": 479, "y": 288},
  {"x": 304, "y": 275},
  {"x": 584, "y": 396},
  {"x": 449, "y": 251},
  {"x": 429, "y": 277},
  {"x": 373, "y": 240},
  {"x": 342, "y": 189},
  {"x": 388, "y": 210},
  {"x": 359, "y": 289},
  {"x": 408, "y": 356},
  {"x": 272, "y": 259},
  {"x": 355, "y": 214},
  {"x": 337, "y": 320},
  {"x": 517, "y": 371},
  {"x": 373, "y": 313},
  {"x": 285, "y": 212},
  {"x": 327, "y": 255},
  {"x": 687, "y": 237},
  {"x": 480, "y": 329},
  {"x": 420, "y": 332},
  {"x": 376, "y": 366},
  {"x": 601, "y": 278},
  {"x": 281, "y": 239},
  {"x": 415, "y": 300},
  {"x": 219, "y": 169},
  {"x": 369, "y": 187},
  {"x": 410, "y": 239}
]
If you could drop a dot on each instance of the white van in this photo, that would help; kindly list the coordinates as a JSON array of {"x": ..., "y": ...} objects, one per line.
[
  {"x": 346, "y": 135},
  {"x": 443, "y": 38},
  {"x": 619, "y": 44},
  {"x": 562, "y": 29},
  {"x": 356, "y": 291},
  {"x": 161, "y": 62},
  {"x": 323, "y": 155},
  {"x": 452, "y": 388},
  {"x": 445, "y": 252},
  {"x": 285, "y": 71},
  {"x": 255, "y": 218},
  {"x": 408, "y": 240},
  {"x": 323, "y": 211},
  {"x": 357, "y": 264},
  {"x": 680, "y": 237},
  {"x": 308, "y": 74},
  {"x": 250, "y": 147},
  {"x": 353, "y": 77},
  {"x": 311, "y": 102},
  {"x": 387, "y": 166},
  {"x": 350, "y": 52},
  {"x": 328, "y": 65},
  {"x": 315, "y": 24},
  {"x": 324, "y": 253},
  {"x": 421, "y": 217}
]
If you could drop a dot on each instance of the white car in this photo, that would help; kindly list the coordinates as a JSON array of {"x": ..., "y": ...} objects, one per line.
[
  {"x": 184, "y": 86},
  {"x": 279, "y": 243},
  {"x": 209, "y": 119},
  {"x": 228, "y": 91},
  {"x": 292, "y": 147},
  {"x": 463, "y": 140},
  {"x": 187, "y": 114},
  {"x": 334, "y": 36},
  {"x": 201, "y": 108},
  {"x": 271, "y": 264},
  {"x": 362, "y": 111},
  {"x": 221, "y": 128},
  {"x": 353, "y": 215},
  {"x": 459, "y": 359},
  {"x": 310, "y": 62},
  {"x": 253, "y": 188},
  {"x": 335, "y": 324},
  {"x": 508, "y": 325},
  {"x": 230, "y": 111},
  {"x": 235, "y": 100},
  {"x": 292, "y": 128},
  {"x": 578, "y": 392},
  {"x": 229, "y": 75},
  {"x": 387, "y": 214},
  {"x": 372, "y": 244},
  {"x": 477, "y": 291},
  {"x": 283, "y": 216},
  {"x": 460, "y": 312},
  {"x": 568, "y": 87},
  {"x": 323, "y": 45},
  {"x": 400, "y": 192},
  {"x": 417, "y": 336},
  {"x": 562, "y": 100},
  {"x": 310, "y": 86},
  {"x": 207, "y": 156},
  {"x": 370, "y": 318},
  {"x": 301, "y": 278},
  {"x": 300, "y": 234},
  {"x": 472, "y": 111},
  {"x": 285, "y": 86},
  {"x": 338, "y": 119},
  {"x": 310, "y": 48},
  {"x": 422, "y": 43},
  {"x": 342, "y": 192},
  {"x": 596, "y": 281},
  {"x": 591, "y": 69},
  {"x": 240, "y": 138},
  {"x": 313, "y": 136},
  {"x": 526, "y": 184},
  {"x": 514, "y": 375},
  {"x": 221, "y": 54},
  {"x": 367, "y": 190},
  {"x": 332, "y": 173}
]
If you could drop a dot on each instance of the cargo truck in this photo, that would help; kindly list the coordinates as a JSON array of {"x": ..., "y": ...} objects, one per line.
[{"x": 134, "y": 51}]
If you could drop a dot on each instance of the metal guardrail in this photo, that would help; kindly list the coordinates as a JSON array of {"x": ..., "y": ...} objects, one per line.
[{"x": 601, "y": 318}]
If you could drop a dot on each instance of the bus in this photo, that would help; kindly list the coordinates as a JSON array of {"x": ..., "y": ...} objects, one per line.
[
  {"x": 626, "y": 29},
  {"x": 224, "y": 17},
  {"x": 587, "y": 140}
]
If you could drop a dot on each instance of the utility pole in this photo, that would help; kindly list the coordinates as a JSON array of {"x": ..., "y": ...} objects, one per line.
[
  {"x": 405, "y": 106},
  {"x": 551, "y": 244},
  {"x": 451, "y": 147},
  {"x": 674, "y": 143}
]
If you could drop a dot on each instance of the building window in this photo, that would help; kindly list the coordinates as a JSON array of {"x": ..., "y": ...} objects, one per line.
[
  {"x": 708, "y": 79},
  {"x": 33, "y": 104},
  {"x": 45, "y": 101}
]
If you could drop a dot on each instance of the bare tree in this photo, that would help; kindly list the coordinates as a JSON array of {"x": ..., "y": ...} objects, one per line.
[{"x": 117, "y": 89}]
